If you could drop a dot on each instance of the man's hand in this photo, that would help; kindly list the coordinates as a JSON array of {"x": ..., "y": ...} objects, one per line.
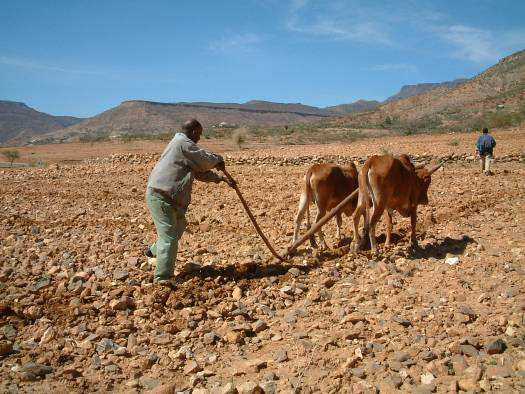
[
  {"x": 231, "y": 183},
  {"x": 220, "y": 166}
]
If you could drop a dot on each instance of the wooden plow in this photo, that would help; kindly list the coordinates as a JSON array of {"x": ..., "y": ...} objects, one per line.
[{"x": 314, "y": 229}]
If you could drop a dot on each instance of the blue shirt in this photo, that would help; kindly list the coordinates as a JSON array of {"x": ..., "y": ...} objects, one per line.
[{"x": 485, "y": 144}]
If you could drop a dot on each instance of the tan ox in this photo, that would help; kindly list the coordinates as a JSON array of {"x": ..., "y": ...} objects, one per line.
[
  {"x": 392, "y": 184},
  {"x": 327, "y": 185}
]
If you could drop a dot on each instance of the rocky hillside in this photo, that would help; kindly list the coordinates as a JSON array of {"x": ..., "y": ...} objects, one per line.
[
  {"x": 413, "y": 90},
  {"x": 146, "y": 117},
  {"x": 494, "y": 98},
  {"x": 18, "y": 122},
  {"x": 357, "y": 106}
]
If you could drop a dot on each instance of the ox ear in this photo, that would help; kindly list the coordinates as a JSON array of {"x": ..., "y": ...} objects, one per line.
[{"x": 435, "y": 168}]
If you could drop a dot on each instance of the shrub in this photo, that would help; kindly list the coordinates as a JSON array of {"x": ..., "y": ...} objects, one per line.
[
  {"x": 11, "y": 155},
  {"x": 454, "y": 142},
  {"x": 239, "y": 137}
]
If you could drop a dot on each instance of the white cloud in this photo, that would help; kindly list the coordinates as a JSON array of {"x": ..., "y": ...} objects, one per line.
[
  {"x": 408, "y": 25},
  {"x": 334, "y": 21},
  {"x": 471, "y": 43},
  {"x": 246, "y": 42},
  {"x": 394, "y": 67},
  {"x": 28, "y": 64}
]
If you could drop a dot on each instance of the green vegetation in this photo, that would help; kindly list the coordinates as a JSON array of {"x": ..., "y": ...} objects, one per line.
[
  {"x": 147, "y": 137},
  {"x": 95, "y": 137},
  {"x": 11, "y": 155},
  {"x": 454, "y": 142}
]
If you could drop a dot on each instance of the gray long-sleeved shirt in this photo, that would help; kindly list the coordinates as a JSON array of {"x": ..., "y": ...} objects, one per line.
[{"x": 179, "y": 164}]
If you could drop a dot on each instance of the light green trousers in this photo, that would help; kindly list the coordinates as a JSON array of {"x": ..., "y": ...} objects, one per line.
[{"x": 170, "y": 224}]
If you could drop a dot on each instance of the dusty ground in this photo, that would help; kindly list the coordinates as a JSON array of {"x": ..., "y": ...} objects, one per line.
[{"x": 78, "y": 312}]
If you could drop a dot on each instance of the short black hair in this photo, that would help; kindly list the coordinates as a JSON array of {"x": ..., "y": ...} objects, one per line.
[
  {"x": 485, "y": 130},
  {"x": 191, "y": 125}
]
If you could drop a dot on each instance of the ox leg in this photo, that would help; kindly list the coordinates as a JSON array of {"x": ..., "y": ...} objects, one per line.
[
  {"x": 377, "y": 211},
  {"x": 359, "y": 210},
  {"x": 389, "y": 227},
  {"x": 339, "y": 222},
  {"x": 320, "y": 214},
  {"x": 303, "y": 207},
  {"x": 413, "y": 223}
]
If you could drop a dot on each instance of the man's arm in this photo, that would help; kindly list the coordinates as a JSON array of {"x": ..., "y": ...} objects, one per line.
[
  {"x": 200, "y": 159},
  {"x": 478, "y": 149},
  {"x": 208, "y": 176}
]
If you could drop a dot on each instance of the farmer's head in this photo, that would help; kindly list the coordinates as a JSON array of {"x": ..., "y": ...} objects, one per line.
[
  {"x": 193, "y": 129},
  {"x": 485, "y": 130}
]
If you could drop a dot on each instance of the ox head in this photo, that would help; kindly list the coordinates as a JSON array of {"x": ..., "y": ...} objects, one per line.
[{"x": 424, "y": 175}]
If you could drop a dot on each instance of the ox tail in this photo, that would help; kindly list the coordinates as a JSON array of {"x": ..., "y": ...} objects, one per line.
[
  {"x": 369, "y": 189},
  {"x": 369, "y": 201}
]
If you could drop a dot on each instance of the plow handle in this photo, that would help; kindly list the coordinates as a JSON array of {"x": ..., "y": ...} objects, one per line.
[{"x": 252, "y": 218}]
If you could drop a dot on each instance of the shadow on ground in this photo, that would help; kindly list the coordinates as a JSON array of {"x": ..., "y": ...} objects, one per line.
[{"x": 440, "y": 248}]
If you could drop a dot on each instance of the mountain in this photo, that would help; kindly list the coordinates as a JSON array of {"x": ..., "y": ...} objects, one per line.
[
  {"x": 356, "y": 106},
  {"x": 19, "y": 123},
  {"x": 137, "y": 117},
  {"x": 413, "y": 90},
  {"x": 493, "y": 98}
]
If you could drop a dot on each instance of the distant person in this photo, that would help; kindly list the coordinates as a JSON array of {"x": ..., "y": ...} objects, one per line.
[
  {"x": 168, "y": 194},
  {"x": 485, "y": 147}
]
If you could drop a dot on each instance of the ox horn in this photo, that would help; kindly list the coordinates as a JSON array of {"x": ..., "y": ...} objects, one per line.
[
  {"x": 434, "y": 169},
  {"x": 419, "y": 166}
]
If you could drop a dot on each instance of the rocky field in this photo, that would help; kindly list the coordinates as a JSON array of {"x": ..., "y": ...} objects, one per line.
[{"x": 78, "y": 311}]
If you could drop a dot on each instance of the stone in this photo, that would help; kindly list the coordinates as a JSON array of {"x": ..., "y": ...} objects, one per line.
[
  {"x": 41, "y": 283},
  {"x": 210, "y": 338},
  {"x": 294, "y": 271},
  {"x": 452, "y": 260},
  {"x": 358, "y": 373},
  {"x": 120, "y": 275},
  {"x": 470, "y": 378},
  {"x": 268, "y": 387},
  {"x": 520, "y": 365},
  {"x": 192, "y": 367},
  {"x": 32, "y": 371},
  {"x": 280, "y": 356},
  {"x": 5, "y": 348},
  {"x": 427, "y": 378},
  {"x": 259, "y": 326},
  {"x": 467, "y": 311},
  {"x": 468, "y": 350},
  {"x": 229, "y": 388},
  {"x": 496, "y": 371},
  {"x": 149, "y": 383},
  {"x": 47, "y": 336},
  {"x": 428, "y": 355},
  {"x": 287, "y": 290},
  {"x": 105, "y": 345},
  {"x": 496, "y": 347},
  {"x": 234, "y": 337},
  {"x": 237, "y": 293},
  {"x": 250, "y": 388},
  {"x": 400, "y": 320}
]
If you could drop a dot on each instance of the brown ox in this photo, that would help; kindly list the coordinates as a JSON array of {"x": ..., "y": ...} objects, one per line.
[
  {"x": 327, "y": 185},
  {"x": 392, "y": 184}
]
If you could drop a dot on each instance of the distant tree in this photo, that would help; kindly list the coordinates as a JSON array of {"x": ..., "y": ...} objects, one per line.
[{"x": 11, "y": 155}]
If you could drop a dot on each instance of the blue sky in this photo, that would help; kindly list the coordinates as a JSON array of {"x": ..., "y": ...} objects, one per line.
[{"x": 80, "y": 57}]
